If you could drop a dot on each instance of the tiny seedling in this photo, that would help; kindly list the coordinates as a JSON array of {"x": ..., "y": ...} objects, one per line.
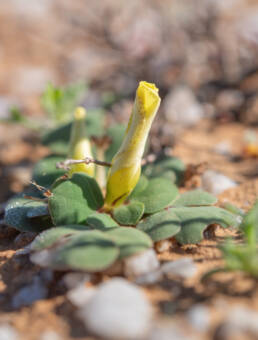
[{"x": 88, "y": 227}]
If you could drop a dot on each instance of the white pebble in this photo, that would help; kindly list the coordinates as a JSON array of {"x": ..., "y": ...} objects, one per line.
[
  {"x": 162, "y": 246},
  {"x": 182, "y": 108},
  {"x": 72, "y": 280},
  {"x": 117, "y": 310},
  {"x": 184, "y": 268},
  {"x": 79, "y": 295},
  {"x": 141, "y": 263},
  {"x": 50, "y": 335},
  {"x": 149, "y": 278},
  {"x": 7, "y": 332},
  {"x": 215, "y": 182},
  {"x": 199, "y": 317}
]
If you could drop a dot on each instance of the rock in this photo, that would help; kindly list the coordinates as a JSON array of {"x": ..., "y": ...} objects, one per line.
[
  {"x": 7, "y": 332},
  {"x": 167, "y": 332},
  {"x": 73, "y": 280},
  {"x": 162, "y": 246},
  {"x": 223, "y": 148},
  {"x": 245, "y": 319},
  {"x": 149, "y": 278},
  {"x": 229, "y": 100},
  {"x": 79, "y": 295},
  {"x": 141, "y": 263},
  {"x": 36, "y": 290},
  {"x": 182, "y": 108},
  {"x": 49, "y": 335},
  {"x": 117, "y": 310},
  {"x": 216, "y": 183},
  {"x": 199, "y": 317},
  {"x": 184, "y": 268}
]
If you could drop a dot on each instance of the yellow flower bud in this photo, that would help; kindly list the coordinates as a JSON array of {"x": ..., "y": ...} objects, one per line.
[
  {"x": 126, "y": 164},
  {"x": 80, "y": 145}
]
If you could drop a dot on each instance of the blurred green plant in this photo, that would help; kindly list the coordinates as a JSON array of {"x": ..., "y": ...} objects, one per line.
[
  {"x": 242, "y": 255},
  {"x": 60, "y": 102}
]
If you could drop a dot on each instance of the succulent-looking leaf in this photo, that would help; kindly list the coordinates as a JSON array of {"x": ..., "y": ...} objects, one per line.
[
  {"x": 129, "y": 240},
  {"x": 194, "y": 198},
  {"x": 79, "y": 147},
  {"x": 161, "y": 225},
  {"x": 74, "y": 199},
  {"x": 158, "y": 194},
  {"x": 194, "y": 221},
  {"x": 140, "y": 186},
  {"x": 49, "y": 237},
  {"x": 45, "y": 172},
  {"x": 100, "y": 221},
  {"x": 168, "y": 167},
  {"x": 16, "y": 214},
  {"x": 129, "y": 214},
  {"x": 126, "y": 164},
  {"x": 91, "y": 251},
  {"x": 186, "y": 223},
  {"x": 39, "y": 211}
]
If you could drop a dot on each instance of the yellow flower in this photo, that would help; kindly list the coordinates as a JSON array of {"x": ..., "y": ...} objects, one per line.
[
  {"x": 126, "y": 164},
  {"x": 80, "y": 145}
]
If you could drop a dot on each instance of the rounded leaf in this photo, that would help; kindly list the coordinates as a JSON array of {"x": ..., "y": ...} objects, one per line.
[
  {"x": 49, "y": 237},
  {"x": 129, "y": 214},
  {"x": 158, "y": 194},
  {"x": 194, "y": 198},
  {"x": 129, "y": 240},
  {"x": 74, "y": 199},
  {"x": 100, "y": 221},
  {"x": 161, "y": 225},
  {"x": 16, "y": 214}
]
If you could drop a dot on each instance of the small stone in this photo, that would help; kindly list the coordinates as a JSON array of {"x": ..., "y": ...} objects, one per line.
[
  {"x": 50, "y": 335},
  {"x": 162, "y": 246},
  {"x": 73, "y": 280},
  {"x": 245, "y": 319},
  {"x": 229, "y": 100},
  {"x": 184, "y": 268},
  {"x": 149, "y": 278},
  {"x": 223, "y": 148},
  {"x": 216, "y": 183},
  {"x": 7, "y": 332},
  {"x": 80, "y": 295},
  {"x": 182, "y": 108},
  {"x": 117, "y": 310},
  {"x": 199, "y": 317},
  {"x": 167, "y": 332},
  {"x": 141, "y": 263},
  {"x": 30, "y": 293}
]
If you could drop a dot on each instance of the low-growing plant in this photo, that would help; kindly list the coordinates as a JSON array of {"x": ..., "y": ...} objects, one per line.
[
  {"x": 242, "y": 255},
  {"x": 87, "y": 227}
]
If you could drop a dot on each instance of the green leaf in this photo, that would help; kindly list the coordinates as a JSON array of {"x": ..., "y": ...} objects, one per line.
[
  {"x": 38, "y": 211},
  {"x": 140, "y": 186},
  {"x": 158, "y": 194},
  {"x": 49, "y": 237},
  {"x": 116, "y": 133},
  {"x": 187, "y": 224},
  {"x": 194, "y": 221},
  {"x": 16, "y": 214},
  {"x": 161, "y": 225},
  {"x": 45, "y": 172},
  {"x": 168, "y": 167},
  {"x": 74, "y": 199},
  {"x": 57, "y": 139},
  {"x": 100, "y": 221},
  {"x": 129, "y": 214},
  {"x": 91, "y": 251},
  {"x": 129, "y": 240},
  {"x": 194, "y": 198}
]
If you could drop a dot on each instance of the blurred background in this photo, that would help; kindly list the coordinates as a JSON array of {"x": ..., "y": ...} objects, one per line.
[{"x": 202, "y": 55}]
